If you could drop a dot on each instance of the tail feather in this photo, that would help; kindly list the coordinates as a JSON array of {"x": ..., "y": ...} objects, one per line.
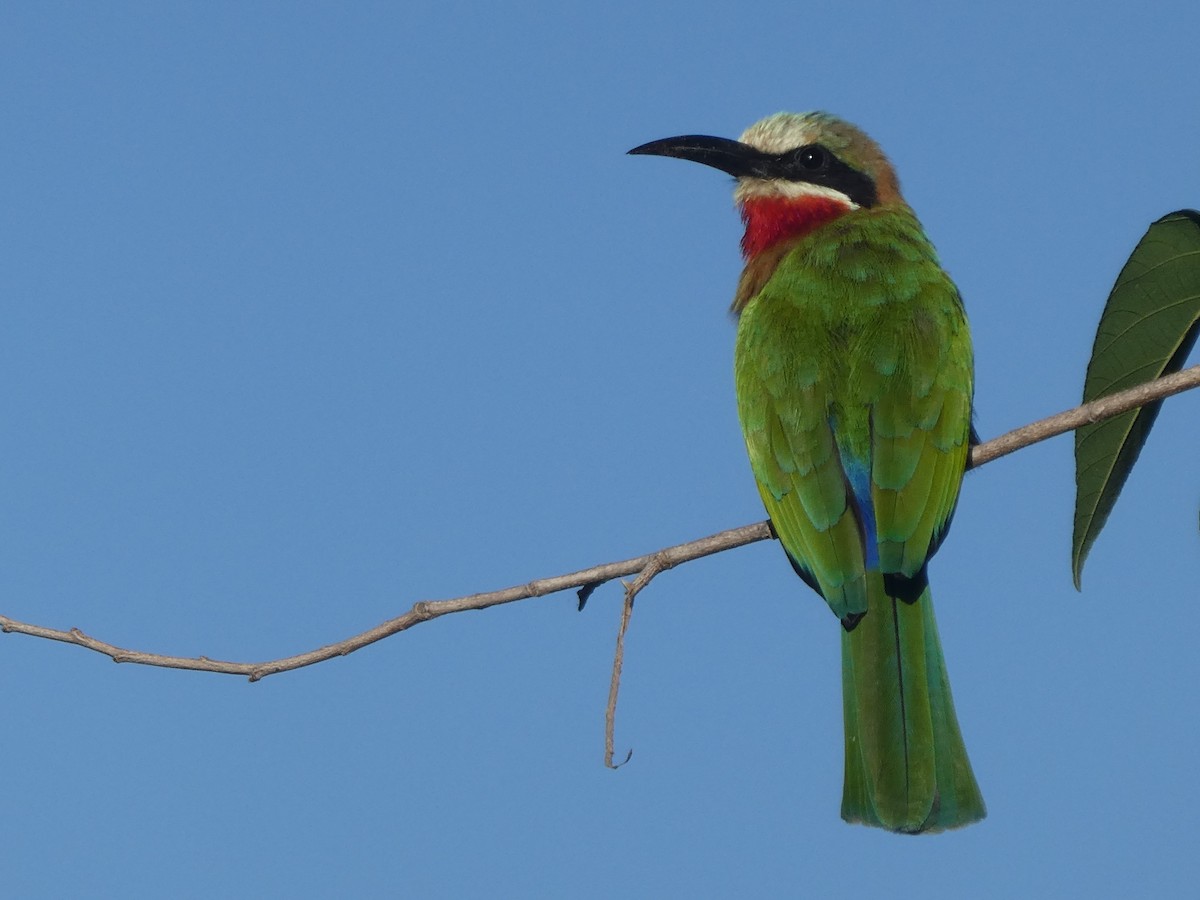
[{"x": 906, "y": 765}]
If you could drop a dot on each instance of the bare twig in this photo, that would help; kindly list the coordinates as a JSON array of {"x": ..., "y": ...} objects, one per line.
[
  {"x": 659, "y": 562},
  {"x": 588, "y": 578},
  {"x": 610, "y": 711}
]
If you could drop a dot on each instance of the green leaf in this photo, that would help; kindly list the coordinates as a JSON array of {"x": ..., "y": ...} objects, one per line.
[{"x": 1148, "y": 328}]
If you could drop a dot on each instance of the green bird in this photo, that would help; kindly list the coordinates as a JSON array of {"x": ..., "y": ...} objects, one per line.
[{"x": 854, "y": 377}]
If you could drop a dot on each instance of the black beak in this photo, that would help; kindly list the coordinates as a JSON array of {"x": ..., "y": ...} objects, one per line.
[{"x": 738, "y": 159}]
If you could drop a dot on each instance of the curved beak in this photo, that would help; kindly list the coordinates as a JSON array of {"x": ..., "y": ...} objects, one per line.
[{"x": 737, "y": 159}]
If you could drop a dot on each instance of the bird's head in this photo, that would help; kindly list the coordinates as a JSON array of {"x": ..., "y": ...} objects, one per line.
[{"x": 794, "y": 171}]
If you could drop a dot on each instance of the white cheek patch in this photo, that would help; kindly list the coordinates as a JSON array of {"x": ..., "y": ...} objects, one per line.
[{"x": 758, "y": 188}]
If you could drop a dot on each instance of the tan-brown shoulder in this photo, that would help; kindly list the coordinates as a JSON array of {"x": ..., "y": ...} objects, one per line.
[{"x": 757, "y": 273}]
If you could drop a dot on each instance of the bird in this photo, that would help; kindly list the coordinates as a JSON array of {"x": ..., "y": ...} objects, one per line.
[{"x": 854, "y": 378}]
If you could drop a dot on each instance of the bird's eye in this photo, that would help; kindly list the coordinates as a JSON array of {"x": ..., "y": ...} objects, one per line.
[{"x": 811, "y": 158}]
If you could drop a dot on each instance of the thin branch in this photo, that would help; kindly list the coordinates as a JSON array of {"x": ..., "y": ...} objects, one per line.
[
  {"x": 1089, "y": 413},
  {"x": 420, "y": 612},
  {"x": 587, "y": 579},
  {"x": 659, "y": 562}
]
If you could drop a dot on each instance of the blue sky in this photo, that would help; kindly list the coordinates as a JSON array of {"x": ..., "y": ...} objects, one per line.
[{"x": 311, "y": 311}]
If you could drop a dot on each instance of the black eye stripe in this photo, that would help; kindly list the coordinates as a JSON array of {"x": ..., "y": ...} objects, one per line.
[{"x": 815, "y": 164}]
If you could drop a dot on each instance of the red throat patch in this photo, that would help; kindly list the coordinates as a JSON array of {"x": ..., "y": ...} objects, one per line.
[{"x": 770, "y": 220}]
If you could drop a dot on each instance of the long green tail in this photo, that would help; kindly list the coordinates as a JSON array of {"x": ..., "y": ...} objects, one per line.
[{"x": 906, "y": 765}]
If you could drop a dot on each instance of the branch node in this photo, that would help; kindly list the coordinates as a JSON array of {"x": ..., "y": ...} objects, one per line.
[{"x": 663, "y": 560}]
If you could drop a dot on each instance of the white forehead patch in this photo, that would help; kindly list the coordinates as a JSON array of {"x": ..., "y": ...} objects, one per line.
[{"x": 784, "y": 131}]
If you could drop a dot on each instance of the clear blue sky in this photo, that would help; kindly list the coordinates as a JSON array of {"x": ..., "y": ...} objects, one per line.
[{"x": 311, "y": 311}]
